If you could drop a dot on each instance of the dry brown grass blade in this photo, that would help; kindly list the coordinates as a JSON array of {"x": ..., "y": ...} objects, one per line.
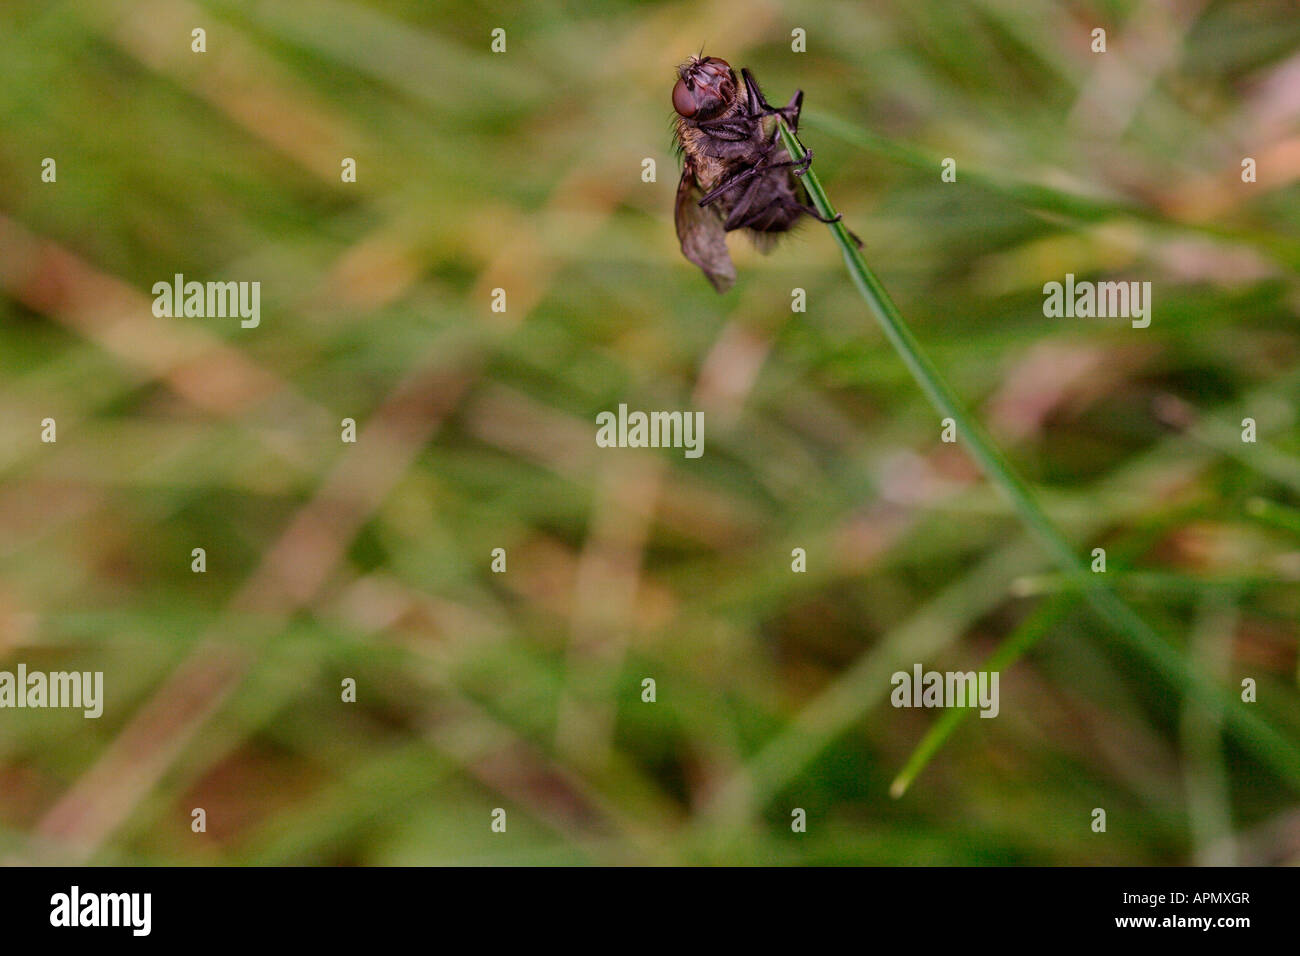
[{"x": 289, "y": 577}]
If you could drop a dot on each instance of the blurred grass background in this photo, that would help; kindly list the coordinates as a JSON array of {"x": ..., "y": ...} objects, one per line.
[{"x": 522, "y": 690}]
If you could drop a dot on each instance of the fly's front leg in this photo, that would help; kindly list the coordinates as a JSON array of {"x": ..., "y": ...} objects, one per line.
[
  {"x": 726, "y": 130},
  {"x": 790, "y": 112},
  {"x": 759, "y": 105}
]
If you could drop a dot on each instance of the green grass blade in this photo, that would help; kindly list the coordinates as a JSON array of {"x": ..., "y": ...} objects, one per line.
[
  {"x": 1270, "y": 747},
  {"x": 1274, "y": 515},
  {"x": 1030, "y": 631}
]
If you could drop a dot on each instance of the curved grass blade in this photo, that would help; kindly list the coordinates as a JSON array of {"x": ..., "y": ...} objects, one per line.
[
  {"x": 1255, "y": 734},
  {"x": 1030, "y": 631}
]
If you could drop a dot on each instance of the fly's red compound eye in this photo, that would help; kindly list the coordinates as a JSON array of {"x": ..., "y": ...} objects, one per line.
[{"x": 684, "y": 100}]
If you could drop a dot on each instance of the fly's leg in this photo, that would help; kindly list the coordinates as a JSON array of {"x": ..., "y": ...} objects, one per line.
[
  {"x": 754, "y": 100},
  {"x": 801, "y": 167},
  {"x": 728, "y": 130},
  {"x": 729, "y": 185},
  {"x": 794, "y": 204},
  {"x": 790, "y": 112},
  {"x": 818, "y": 216},
  {"x": 759, "y": 105},
  {"x": 741, "y": 213}
]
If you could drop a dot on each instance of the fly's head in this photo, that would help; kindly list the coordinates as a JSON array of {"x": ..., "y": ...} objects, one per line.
[{"x": 706, "y": 88}]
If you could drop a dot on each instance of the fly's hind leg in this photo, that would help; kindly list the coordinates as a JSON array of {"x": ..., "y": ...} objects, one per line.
[
  {"x": 794, "y": 204},
  {"x": 743, "y": 212},
  {"x": 818, "y": 216}
]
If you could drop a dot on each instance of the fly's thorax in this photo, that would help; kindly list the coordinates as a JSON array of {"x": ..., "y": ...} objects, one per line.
[{"x": 713, "y": 158}]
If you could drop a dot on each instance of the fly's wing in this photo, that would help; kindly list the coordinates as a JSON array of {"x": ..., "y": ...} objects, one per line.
[{"x": 704, "y": 241}]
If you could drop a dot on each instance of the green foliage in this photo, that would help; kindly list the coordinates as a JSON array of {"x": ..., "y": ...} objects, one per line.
[{"x": 522, "y": 690}]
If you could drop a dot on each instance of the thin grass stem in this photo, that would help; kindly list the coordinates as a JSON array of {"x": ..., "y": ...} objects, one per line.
[{"x": 1254, "y": 733}]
